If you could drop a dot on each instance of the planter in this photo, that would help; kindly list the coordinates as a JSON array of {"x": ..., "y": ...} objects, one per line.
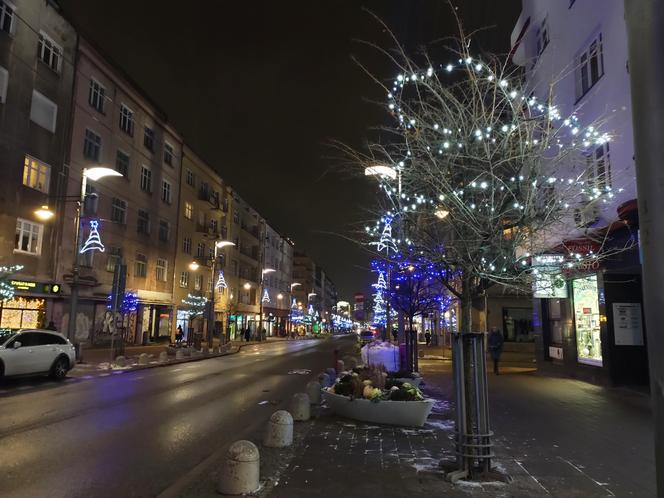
[
  {"x": 407, "y": 413},
  {"x": 415, "y": 382}
]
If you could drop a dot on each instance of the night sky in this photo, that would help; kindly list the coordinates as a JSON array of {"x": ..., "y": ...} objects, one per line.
[{"x": 261, "y": 89}]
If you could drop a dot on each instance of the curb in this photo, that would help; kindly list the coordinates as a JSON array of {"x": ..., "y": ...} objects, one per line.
[{"x": 190, "y": 359}]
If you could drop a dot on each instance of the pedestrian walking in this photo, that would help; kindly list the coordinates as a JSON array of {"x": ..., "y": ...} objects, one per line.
[
  {"x": 51, "y": 326},
  {"x": 495, "y": 347},
  {"x": 427, "y": 337},
  {"x": 247, "y": 334},
  {"x": 179, "y": 335},
  {"x": 395, "y": 334}
]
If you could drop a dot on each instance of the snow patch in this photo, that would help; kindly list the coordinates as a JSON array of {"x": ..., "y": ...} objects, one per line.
[{"x": 446, "y": 425}]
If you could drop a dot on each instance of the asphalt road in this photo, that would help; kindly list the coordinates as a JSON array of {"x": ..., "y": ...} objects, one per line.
[{"x": 139, "y": 433}]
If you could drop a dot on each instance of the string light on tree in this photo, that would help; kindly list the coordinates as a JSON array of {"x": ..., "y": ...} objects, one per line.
[{"x": 196, "y": 304}]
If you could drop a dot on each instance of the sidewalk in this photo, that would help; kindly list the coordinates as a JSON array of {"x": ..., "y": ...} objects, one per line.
[
  {"x": 554, "y": 437},
  {"x": 515, "y": 354}
]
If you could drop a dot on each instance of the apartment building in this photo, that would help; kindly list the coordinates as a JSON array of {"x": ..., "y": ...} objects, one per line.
[
  {"x": 575, "y": 53},
  {"x": 37, "y": 51},
  {"x": 278, "y": 268},
  {"x": 201, "y": 257},
  {"x": 132, "y": 215}
]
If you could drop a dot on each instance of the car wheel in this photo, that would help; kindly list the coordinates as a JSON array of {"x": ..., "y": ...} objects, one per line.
[{"x": 60, "y": 368}]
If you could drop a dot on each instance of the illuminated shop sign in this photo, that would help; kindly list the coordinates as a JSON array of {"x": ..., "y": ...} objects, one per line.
[{"x": 31, "y": 287}]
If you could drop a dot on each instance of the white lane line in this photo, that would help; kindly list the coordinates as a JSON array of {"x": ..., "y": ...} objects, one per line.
[
  {"x": 176, "y": 370},
  {"x": 600, "y": 484},
  {"x": 532, "y": 477}
]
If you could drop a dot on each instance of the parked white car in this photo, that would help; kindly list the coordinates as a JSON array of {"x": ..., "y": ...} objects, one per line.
[{"x": 35, "y": 351}]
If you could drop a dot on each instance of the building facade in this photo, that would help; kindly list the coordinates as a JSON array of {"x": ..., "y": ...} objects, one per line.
[
  {"x": 276, "y": 296},
  {"x": 133, "y": 215},
  {"x": 37, "y": 52},
  {"x": 575, "y": 53},
  {"x": 200, "y": 261}
]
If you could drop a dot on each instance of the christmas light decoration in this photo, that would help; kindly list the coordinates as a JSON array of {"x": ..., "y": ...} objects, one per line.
[
  {"x": 266, "y": 296},
  {"x": 7, "y": 290},
  {"x": 94, "y": 240},
  {"x": 196, "y": 304},
  {"x": 221, "y": 281}
]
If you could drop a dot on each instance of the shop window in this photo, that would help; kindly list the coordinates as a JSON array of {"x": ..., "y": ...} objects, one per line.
[
  {"x": 518, "y": 324},
  {"x": 22, "y": 312},
  {"x": 587, "y": 320}
]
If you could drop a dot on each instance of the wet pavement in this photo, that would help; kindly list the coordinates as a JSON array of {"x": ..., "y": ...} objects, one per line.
[{"x": 137, "y": 433}]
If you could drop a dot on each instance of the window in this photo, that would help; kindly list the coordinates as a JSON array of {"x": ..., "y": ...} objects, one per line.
[
  {"x": 126, "y": 120},
  {"x": 6, "y": 17},
  {"x": 36, "y": 174},
  {"x": 236, "y": 217},
  {"x": 43, "y": 111},
  {"x": 141, "y": 266},
  {"x": 234, "y": 267},
  {"x": 166, "y": 192},
  {"x": 162, "y": 270},
  {"x": 148, "y": 138},
  {"x": 184, "y": 279},
  {"x": 200, "y": 250},
  {"x": 119, "y": 211},
  {"x": 114, "y": 258},
  {"x": 210, "y": 285},
  {"x": 4, "y": 82},
  {"x": 146, "y": 179},
  {"x": 188, "y": 210},
  {"x": 599, "y": 168},
  {"x": 164, "y": 231},
  {"x": 143, "y": 224},
  {"x": 28, "y": 237},
  {"x": 168, "y": 154},
  {"x": 198, "y": 282},
  {"x": 91, "y": 145},
  {"x": 213, "y": 226},
  {"x": 542, "y": 36},
  {"x": 589, "y": 67},
  {"x": 49, "y": 52},
  {"x": 191, "y": 179},
  {"x": 96, "y": 94},
  {"x": 186, "y": 245},
  {"x": 122, "y": 163}
]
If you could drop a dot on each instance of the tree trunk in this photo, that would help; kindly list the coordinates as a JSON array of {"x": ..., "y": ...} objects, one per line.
[{"x": 466, "y": 306}]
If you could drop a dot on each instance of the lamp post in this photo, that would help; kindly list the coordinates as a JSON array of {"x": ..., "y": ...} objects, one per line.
[
  {"x": 260, "y": 316},
  {"x": 219, "y": 244},
  {"x": 290, "y": 318},
  {"x": 94, "y": 174}
]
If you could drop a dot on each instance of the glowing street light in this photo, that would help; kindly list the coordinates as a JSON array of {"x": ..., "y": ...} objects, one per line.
[
  {"x": 247, "y": 286},
  {"x": 220, "y": 244},
  {"x": 193, "y": 266},
  {"x": 44, "y": 213},
  {"x": 268, "y": 270}
]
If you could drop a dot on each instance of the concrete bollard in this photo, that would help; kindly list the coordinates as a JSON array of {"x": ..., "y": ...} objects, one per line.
[
  {"x": 241, "y": 471},
  {"x": 143, "y": 359},
  {"x": 179, "y": 354},
  {"x": 324, "y": 380},
  {"x": 120, "y": 361},
  {"x": 279, "y": 430},
  {"x": 163, "y": 357},
  {"x": 313, "y": 391},
  {"x": 299, "y": 407},
  {"x": 340, "y": 366}
]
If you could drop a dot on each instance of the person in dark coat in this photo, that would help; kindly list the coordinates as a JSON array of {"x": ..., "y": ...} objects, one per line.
[
  {"x": 247, "y": 334},
  {"x": 495, "y": 347},
  {"x": 51, "y": 326},
  {"x": 427, "y": 337},
  {"x": 395, "y": 334}
]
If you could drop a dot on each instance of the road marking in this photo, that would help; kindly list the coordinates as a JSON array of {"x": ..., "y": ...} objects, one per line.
[
  {"x": 176, "y": 369},
  {"x": 532, "y": 477},
  {"x": 118, "y": 373},
  {"x": 104, "y": 375},
  {"x": 600, "y": 484}
]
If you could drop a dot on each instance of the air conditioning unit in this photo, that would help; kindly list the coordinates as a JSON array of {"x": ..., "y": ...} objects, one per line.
[{"x": 586, "y": 216}]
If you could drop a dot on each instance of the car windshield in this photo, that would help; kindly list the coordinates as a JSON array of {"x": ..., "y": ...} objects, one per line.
[{"x": 5, "y": 335}]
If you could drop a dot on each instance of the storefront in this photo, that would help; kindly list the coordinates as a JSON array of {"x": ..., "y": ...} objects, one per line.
[
  {"x": 31, "y": 306},
  {"x": 275, "y": 321},
  {"x": 591, "y": 326}
]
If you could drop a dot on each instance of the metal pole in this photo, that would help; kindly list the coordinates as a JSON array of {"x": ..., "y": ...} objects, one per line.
[
  {"x": 645, "y": 19},
  {"x": 73, "y": 298},
  {"x": 211, "y": 317}
]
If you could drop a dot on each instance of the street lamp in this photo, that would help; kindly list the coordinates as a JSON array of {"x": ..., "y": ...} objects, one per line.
[
  {"x": 260, "y": 321},
  {"x": 44, "y": 213},
  {"x": 94, "y": 174},
  {"x": 193, "y": 266},
  {"x": 218, "y": 244}
]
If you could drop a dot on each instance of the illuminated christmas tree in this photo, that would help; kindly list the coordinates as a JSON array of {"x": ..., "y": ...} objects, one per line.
[{"x": 94, "y": 240}]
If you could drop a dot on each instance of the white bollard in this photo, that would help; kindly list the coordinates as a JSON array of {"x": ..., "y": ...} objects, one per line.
[
  {"x": 313, "y": 391},
  {"x": 179, "y": 354},
  {"x": 143, "y": 359},
  {"x": 279, "y": 432},
  {"x": 299, "y": 407},
  {"x": 120, "y": 361},
  {"x": 163, "y": 357},
  {"x": 241, "y": 471}
]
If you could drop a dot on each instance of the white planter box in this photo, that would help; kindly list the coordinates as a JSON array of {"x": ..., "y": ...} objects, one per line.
[
  {"x": 407, "y": 413},
  {"x": 413, "y": 382}
]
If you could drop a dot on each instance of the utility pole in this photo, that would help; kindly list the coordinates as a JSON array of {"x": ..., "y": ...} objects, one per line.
[{"x": 645, "y": 19}]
